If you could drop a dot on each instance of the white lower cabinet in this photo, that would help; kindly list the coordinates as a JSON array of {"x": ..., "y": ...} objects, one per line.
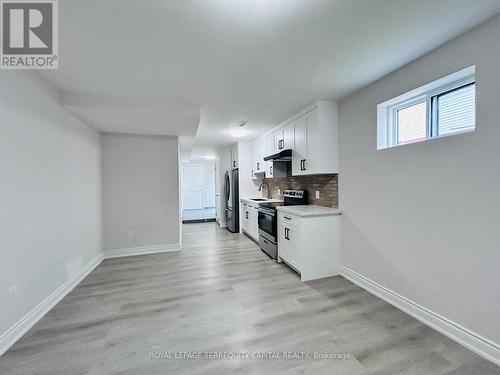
[
  {"x": 253, "y": 223},
  {"x": 310, "y": 245},
  {"x": 250, "y": 219},
  {"x": 289, "y": 245},
  {"x": 243, "y": 217}
]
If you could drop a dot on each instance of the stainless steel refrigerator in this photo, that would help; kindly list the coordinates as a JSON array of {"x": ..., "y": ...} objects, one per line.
[{"x": 232, "y": 201}]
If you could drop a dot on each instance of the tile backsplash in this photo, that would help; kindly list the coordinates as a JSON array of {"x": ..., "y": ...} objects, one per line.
[{"x": 326, "y": 184}]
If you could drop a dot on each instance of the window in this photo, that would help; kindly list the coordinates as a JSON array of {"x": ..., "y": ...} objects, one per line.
[{"x": 441, "y": 108}]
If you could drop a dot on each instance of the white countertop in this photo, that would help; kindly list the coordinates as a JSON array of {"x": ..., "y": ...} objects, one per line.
[{"x": 309, "y": 210}]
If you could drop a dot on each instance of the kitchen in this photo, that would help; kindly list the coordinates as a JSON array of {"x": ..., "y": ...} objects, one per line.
[
  {"x": 294, "y": 169},
  {"x": 243, "y": 181}
]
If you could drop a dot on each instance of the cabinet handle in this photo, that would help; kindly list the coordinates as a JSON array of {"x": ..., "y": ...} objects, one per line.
[
  {"x": 286, "y": 217},
  {"x": 258, "y": 166},
  {"x": 286, "y": 233},
  {"x": 247, "y": 214},
  {"x": 234, "y": 163},
  {"x": 282, "y": 144},
  {"x": 301, "y": 164},
  {"x": 271, "y": 169},
  {"x": 252, "y": 172},
  {"x": 305, "y": 164}
]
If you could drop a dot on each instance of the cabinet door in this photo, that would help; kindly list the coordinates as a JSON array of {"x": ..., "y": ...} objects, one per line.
[
  {"x": 289, "y": 245},
  {"x": 262, "y": 163},
  {"x": 283, "y": 244},
  {"x": 270, "y": 146},
  {"x": 260, "y": 147},
  {"x": 253, "y": 223},
  {"x": 243, "y": 223},
  {"x": 288, "y": 136},
  {"x": 315, "y": 144},
  {"x": 269, "y": 169},
  {"x": 278, "y": 140},
  {"x": 299, "y": 153},
  {"x": 234, "y": 157},
  {"x": 293, "y": 236}
]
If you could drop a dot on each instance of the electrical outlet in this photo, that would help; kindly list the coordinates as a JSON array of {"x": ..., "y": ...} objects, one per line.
[
  {"x": 317, "y": 194},
  {"x": 130, "y": 234},
  {"x": 13, "y": 293}
]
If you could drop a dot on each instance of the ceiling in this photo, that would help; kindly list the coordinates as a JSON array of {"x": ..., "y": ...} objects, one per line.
[{"x": 195, "y": 68}]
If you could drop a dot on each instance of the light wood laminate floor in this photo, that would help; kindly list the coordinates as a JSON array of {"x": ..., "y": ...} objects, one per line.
[{"x": 222, "y": 294}]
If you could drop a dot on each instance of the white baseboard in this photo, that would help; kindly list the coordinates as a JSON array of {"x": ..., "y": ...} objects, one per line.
[
  {"x": 10, "y": 337},
  {"x": 132, "y": 251},
  {"x": 478, "y": 344}
]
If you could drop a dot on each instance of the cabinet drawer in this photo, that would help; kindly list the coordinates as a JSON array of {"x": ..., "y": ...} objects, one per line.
[
  {"x": 252, "y": 207},
  {"x": 287, "y": 219}
]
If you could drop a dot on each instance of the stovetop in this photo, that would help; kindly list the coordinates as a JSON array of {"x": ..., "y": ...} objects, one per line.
[{"x": 271, "y": 204}]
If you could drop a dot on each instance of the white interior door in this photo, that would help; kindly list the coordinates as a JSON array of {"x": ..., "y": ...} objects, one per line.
[
  {"x": 192, "y": 186},
  {"x": 209, "y": 185}
]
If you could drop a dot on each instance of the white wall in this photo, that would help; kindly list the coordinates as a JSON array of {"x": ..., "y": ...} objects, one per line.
[
  {"x": 423, "y": 220},
  {"x": 140, "y": 191},
  {"x": 50, "y": 184}
]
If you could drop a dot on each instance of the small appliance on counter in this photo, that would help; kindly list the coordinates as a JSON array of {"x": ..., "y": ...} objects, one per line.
[{"x": 268, "y": 220}]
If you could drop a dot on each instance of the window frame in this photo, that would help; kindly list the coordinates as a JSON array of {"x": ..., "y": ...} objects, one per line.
[{"x": 387, "y": 112}]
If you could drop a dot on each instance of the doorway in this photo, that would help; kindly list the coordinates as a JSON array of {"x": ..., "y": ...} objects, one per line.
[{"x": 198, "y": 191}]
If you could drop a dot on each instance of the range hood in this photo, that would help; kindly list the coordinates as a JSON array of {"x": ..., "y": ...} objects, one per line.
[{"x": 283, "y": 155}]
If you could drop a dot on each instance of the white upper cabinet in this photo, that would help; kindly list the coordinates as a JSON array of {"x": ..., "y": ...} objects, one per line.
[
  {"x": 270, "y": 149},
  {"x": 270, "y": 145},
  {"x": 288, "y": 136},
  {"x": 284, "y": 138},
  {"x": 258, "y": 153},
  {"x": 278, "y": 140},
  {"x": 300, "y": 150},
  {"x": 234, "y": 156},
  {"x": 316, "y": 141},
  {"x": 312, "y": 135}
]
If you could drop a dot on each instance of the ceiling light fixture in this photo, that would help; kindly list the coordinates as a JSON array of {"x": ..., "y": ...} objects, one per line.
[{"x": 238, "y": 133}]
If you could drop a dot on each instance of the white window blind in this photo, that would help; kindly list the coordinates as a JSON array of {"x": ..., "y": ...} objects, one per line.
[
  {"x": 456, "y": 110},
  {"x": 412, "y": 123}
]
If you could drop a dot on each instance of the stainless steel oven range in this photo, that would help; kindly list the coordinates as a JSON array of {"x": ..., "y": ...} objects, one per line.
[{"x": 268, "y": 220}]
